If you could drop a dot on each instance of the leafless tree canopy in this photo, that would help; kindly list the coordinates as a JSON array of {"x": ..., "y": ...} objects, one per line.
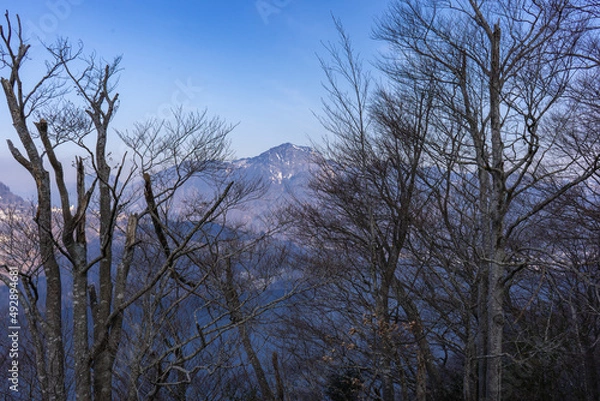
[{"x": 449, "y": 249}]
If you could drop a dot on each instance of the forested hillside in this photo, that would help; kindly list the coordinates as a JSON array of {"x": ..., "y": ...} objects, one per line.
[{"x": 442, "y": 242}]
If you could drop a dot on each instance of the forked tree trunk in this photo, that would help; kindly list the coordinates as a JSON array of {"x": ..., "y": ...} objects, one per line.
[{"x": 53, "y": 373}]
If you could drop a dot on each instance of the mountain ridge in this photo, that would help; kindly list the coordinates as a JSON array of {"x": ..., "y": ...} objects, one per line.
[
  {"x": 8, "y": 198},
  {"x": 284, "y": 172}
]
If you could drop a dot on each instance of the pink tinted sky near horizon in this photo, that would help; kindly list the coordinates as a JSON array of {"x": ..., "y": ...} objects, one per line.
[{"x": 252, "y": 62}]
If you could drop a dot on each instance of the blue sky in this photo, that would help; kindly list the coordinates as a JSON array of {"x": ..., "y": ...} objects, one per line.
[{"x": 252, "y": 62}]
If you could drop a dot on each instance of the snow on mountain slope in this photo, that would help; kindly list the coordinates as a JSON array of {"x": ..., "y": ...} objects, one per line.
[
  {"x": 283, "y": 171},
  {"x": 287, "y": 168}
]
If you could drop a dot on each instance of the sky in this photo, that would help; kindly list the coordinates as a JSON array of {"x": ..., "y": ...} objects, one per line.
[{"x": 252, "y": 62}]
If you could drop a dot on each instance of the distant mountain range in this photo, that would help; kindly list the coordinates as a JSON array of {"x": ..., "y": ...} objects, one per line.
[
  {"x": 7, "y": 198},
  {"x": 283, "y": 171}
]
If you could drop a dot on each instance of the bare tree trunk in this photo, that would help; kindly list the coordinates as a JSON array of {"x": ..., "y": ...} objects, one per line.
[
  {"x": 470, "y": 367},
  {"x": 495, "y": 335},
  {"x": 495, "y": 299},
  {"x": 278, "y": 380},
  {"x": 236, "y": 317},
  {"x": 75, "y": 240},
  {"x": 81, "y": 336},
  {"x": 425, "y": 364},
  {"x": 421, "y": 391},
  {"x": 384, "y": 336},
  {"x": 481, "y": 346},
  {"x": 54, "y": 351}
]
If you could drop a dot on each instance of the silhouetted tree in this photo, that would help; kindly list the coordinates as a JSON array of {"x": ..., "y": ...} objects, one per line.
[{"x": 507, "y": 139}]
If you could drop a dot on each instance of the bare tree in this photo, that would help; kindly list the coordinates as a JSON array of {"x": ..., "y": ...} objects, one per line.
[
  {"x": 574, "y": 288},
  {"x": 503, "y": 113},
  {"x": 367, "y": 194},
  {"x": 98, "y": 278},
  {"x": 195, "y": 326}
]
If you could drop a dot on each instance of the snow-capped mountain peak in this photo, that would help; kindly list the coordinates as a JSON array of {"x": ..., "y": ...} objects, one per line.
[
  {"x": 283, "y": 172},
  {"x": 279, "y": 164}
]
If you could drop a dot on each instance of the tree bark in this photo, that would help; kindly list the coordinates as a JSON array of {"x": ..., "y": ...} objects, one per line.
[
  {"x": 496, "y": 285},
  {"x": 236, "y": 316},
  {"x": 54, "y": 350}
]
